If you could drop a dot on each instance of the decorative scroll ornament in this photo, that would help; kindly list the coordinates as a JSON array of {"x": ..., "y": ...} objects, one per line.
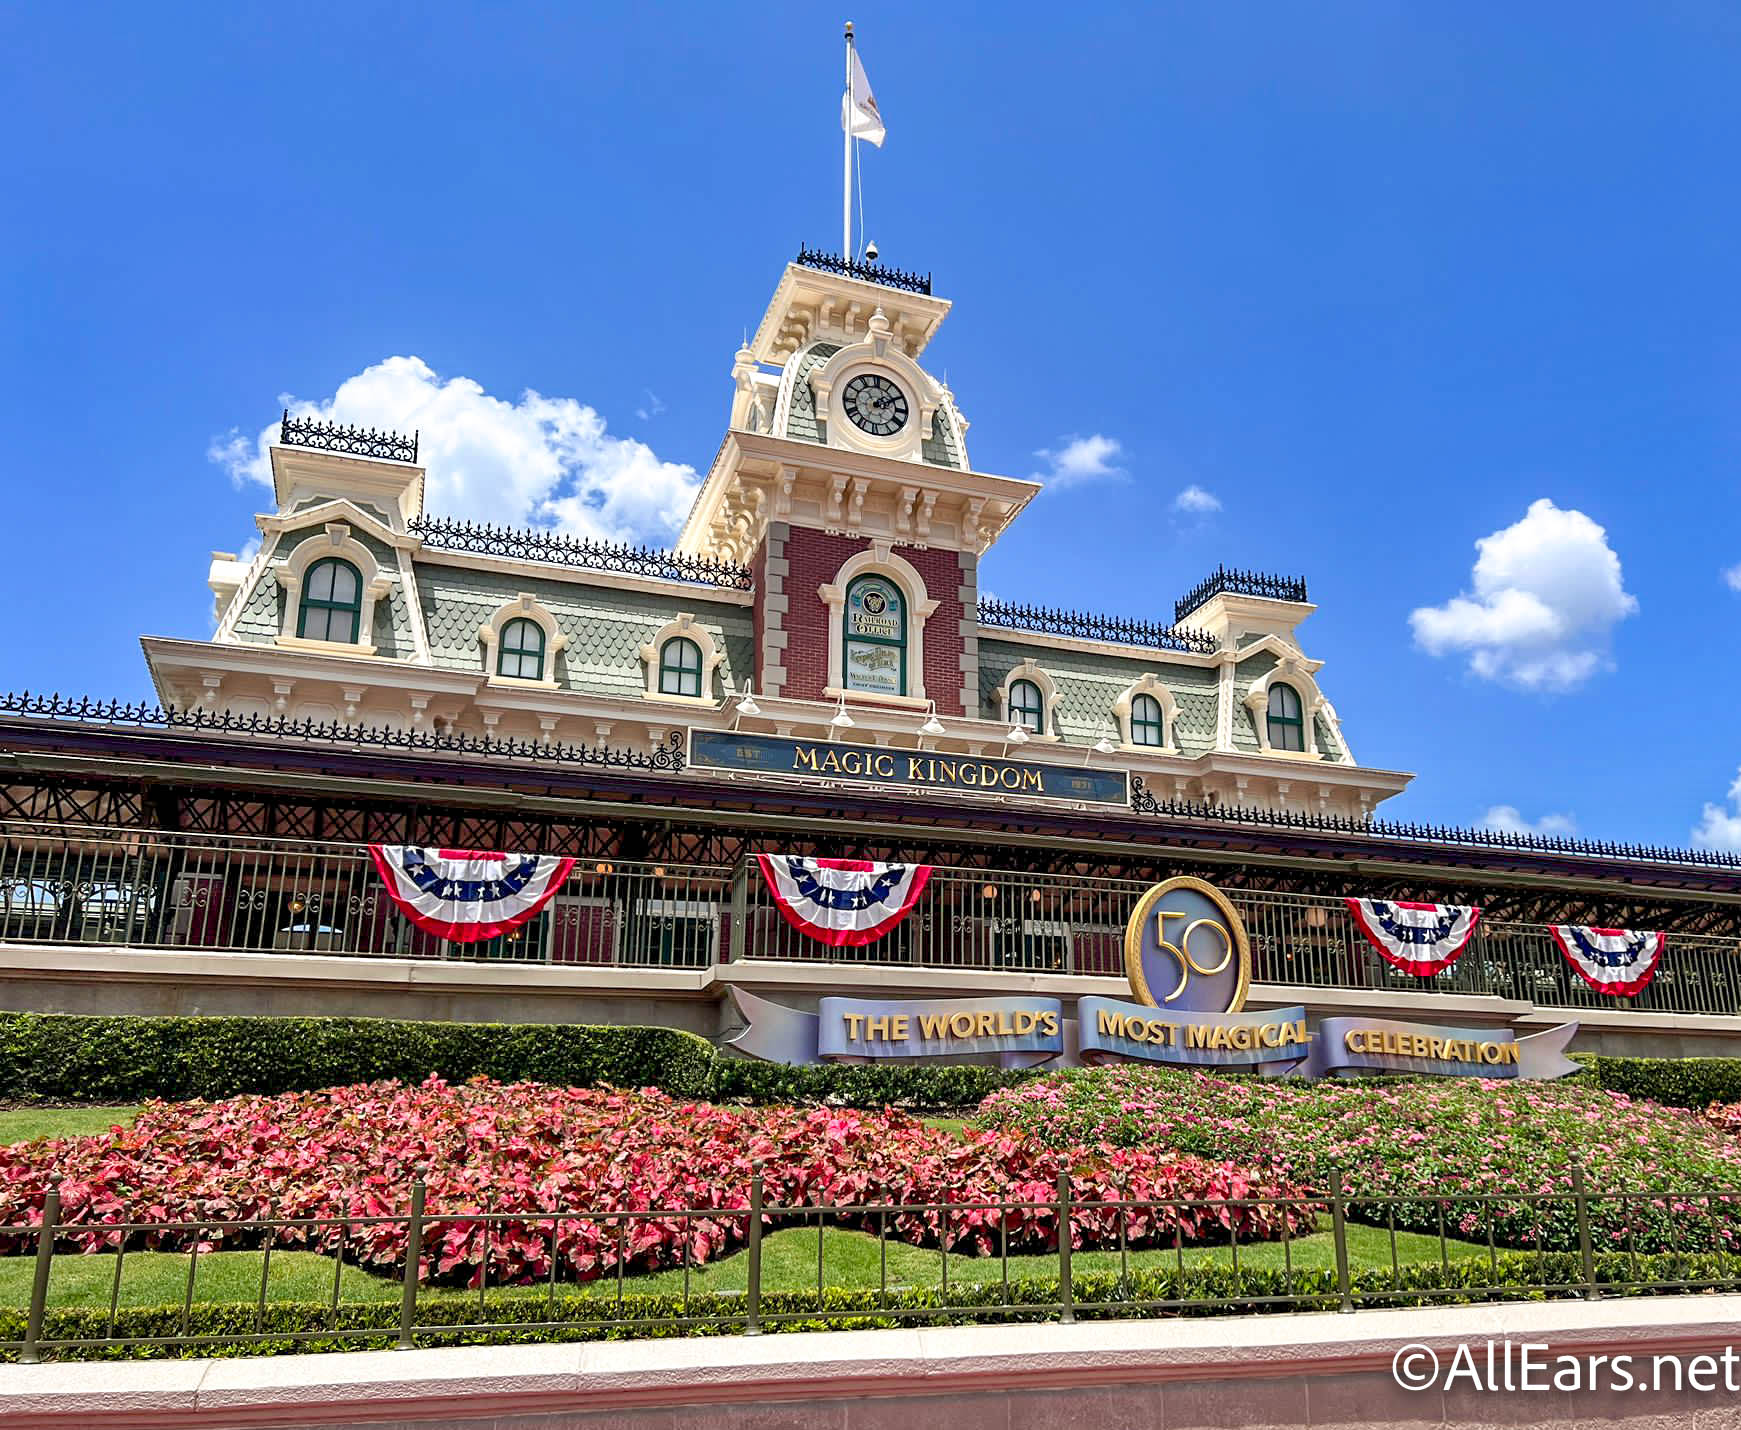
[
  {"x": 844, "y": 903},
  {"x": 467, "y": 895},
  {"x": 1618, "y": 962},
  {"x": 1422, "y": 939}
]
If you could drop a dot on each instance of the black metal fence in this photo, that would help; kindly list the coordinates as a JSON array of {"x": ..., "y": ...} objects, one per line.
[
  {"x": 1086, "y": 625},
  {"x": 1334, "y": 1250},
  {"x": 440, "y": 533},
  {"x": 1243, "y": 583},
  {"x": 155, "y": 889},
  {"x": 348, "y": 441}
]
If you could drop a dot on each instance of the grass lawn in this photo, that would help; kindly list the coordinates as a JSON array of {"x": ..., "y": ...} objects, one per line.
[
  {"x": 850, "y": 1259},
  {"x": 25, "y": 1124}
]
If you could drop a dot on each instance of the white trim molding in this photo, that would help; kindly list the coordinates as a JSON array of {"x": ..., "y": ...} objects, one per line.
[
  {"x": 524, "y": 606},
  {"x": 1030, "y": 669},
  {"x": 878, "y": 559},
  {"x": 684, "y": 625},
  {"x": 336, "y": 540},
  {"x": 1152, "y": 685},
  {"x": 1292, "y": 670},
  {"x": 880, "y": 355}
]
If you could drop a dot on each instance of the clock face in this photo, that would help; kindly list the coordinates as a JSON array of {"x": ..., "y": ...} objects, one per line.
[{"x": 876, "y": 405}]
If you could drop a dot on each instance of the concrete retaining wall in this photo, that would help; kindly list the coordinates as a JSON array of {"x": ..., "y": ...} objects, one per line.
[
  {"x": 88, "y": 978},
  {"x": 1320, "y": 1370}
]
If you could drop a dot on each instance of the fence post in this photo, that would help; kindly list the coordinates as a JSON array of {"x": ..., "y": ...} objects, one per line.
[
  {"x": 27, "y": 1354},
  {"x": 753, "y": 1303},
  {"x": 1339, "y": 1229},
  {"x": 1066, "y": 1280},
  {"x": 740, "y": 910},
  {"x": 1586, "y": 1258},
  {"x": 413, "y": 1258}
]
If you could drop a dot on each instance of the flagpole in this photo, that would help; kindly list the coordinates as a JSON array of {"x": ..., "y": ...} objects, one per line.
[{"x": 846, "y": 122}]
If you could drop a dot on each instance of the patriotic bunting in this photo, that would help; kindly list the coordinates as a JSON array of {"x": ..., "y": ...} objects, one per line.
[
  {"x": 844, "y": 903},
  {"x": 1422, "y": 939},
  {"x": 1619, "y": 962},
  {"x": 467, "y": 895}
]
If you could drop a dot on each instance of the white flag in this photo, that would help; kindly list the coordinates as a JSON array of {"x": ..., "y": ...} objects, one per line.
[{"x": 859, "y": 115}]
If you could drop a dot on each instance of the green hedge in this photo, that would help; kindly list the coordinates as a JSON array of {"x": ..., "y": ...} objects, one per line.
[
  {"x": 866, "y": 1085},
  {"x": 60, "y": 1057},
  {"x": 1678, "y": 1082},
  {"x": 1216, "y": 1290}
]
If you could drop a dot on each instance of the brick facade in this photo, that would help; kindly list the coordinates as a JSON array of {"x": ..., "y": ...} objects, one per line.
[{"x": 814, "y": 559}]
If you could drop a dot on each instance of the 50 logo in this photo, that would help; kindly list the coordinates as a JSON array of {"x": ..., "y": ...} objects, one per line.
[{"x": 1185, "y": 947}]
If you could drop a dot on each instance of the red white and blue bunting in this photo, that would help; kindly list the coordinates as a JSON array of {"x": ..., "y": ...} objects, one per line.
[
  {"x": 1422, "y": 939},
  {"x": 1619, "y": 962},
  {"x": 467, "y": 895},
  {"x": 844, "y": 903}
]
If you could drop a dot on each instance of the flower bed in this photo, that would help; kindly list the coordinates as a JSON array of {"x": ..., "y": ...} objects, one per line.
[
  {"x": 1505, "y": 1140},
  {"x": 529, "y": 1148}
]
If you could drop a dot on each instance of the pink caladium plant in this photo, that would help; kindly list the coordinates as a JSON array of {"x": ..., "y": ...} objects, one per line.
[{"x": 521, "y": 1175}]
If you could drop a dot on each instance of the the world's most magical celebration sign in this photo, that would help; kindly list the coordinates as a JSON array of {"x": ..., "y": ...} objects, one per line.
[{"x": 1188, "y": 960}]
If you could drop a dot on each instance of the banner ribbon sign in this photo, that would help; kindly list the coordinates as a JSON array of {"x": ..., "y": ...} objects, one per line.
[
  {"x": 1342, "y": 1045},
  {"x": 1018, "y": 1031},
  {"x": 1110, "y": 1029}
]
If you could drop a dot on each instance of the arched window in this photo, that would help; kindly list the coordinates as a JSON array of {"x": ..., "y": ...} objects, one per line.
[
  {"x": 332, "y": 602},
  {"x": 1027, "y": 706},
  {"x": 680, "y": 667},
  {"x": 521, "y": 650},
  {"x": 1147, "y": 725},
  {"x": 874, "y": 656},
  {"x": 1287, "y": 731}
]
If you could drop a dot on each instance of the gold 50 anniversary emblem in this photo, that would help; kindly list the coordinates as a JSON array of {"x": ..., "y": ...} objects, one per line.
[{"x": 1186, "y": 948}]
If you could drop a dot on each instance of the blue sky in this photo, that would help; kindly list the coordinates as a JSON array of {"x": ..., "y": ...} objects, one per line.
[{"x": 1375, "y": 280}]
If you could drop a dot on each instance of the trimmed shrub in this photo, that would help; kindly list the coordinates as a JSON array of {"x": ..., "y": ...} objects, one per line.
[
  {"x": 914, "y": 1087},
  {"x": 59, "y": 1057},
  {"x": 1674, "y": 1082}
]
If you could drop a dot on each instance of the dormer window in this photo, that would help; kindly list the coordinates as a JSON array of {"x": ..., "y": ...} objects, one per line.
[
  {"x": 1148, "y": 726},
  {"x": 1287, "y": 727},
  {"x": 332, "y": 602},
  {"x": 521, "y": 653},
  {"x": 1027, "y": 706},
  {"x": 680, "y": 667}
]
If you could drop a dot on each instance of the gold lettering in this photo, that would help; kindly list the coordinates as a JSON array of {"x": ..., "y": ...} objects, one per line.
[
  {"x": 1355, "y": 1040},
  {"x": 1107, "y": 1023},
  {"x": 885, "y": 767},
  {"x": 900, "y": 1028},
  {"x": 831, "y": 763},
  {"x": 1026, "y": 1018},
  {"x": 962, "y": 1024},
  {"x": 988, "y": 776},
  {"x": 1031, "y": 779},
  {"x": 876, "y": 1026},
  {"x": 933, "y": 1025},
  {"x": 804, "y": 759},
  {"x": 1004, "y": 1027},
  {"x": 1010, "y": 778},
  {"x": 1049, "y": 1023},
  {"x": 943, "y": 772},
  {"x": 852, "y": 1022},
  {"x": 986, "y": 1025}
]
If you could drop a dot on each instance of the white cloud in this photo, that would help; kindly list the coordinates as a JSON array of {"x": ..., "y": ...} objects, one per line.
[
  {"x": 1732, "y": 578},
  {"x": 1082, "y": 459},
  {"x": 1507, "y": 820},
  {"x": 1195, "y": 499},
  {"x": 1720, "y": 825},
  {"x": 540, "y": 461},
  {"x": 652, "y": 407},
  {"x": 1547, "y": 595}
]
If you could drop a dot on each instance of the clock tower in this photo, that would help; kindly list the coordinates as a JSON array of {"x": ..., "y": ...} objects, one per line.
[{"x": 844, "y": 483}]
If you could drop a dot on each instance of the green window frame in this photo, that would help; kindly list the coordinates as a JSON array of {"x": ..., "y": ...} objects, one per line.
[
  {"x": 1147, "y": 725},
  {"x": 1027, "y": 707},
  {"x": 860, "y": 596},
  {"x": 331, "y": 608},
  {"x": 680, "y": 667},
  {"x": 1287, "y": 727},
  {"x": 520, "y": 651}
]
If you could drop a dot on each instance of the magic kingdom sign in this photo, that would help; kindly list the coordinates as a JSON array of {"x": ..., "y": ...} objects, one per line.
[
  {"x": 880, "y": 767},
  {"x": 1188, "y": 960}
]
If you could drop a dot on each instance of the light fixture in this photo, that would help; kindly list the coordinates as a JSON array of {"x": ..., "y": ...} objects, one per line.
[
  {"x": 746, "y": 704},
  {"x": 297, "y": 906},
  {"x": 603, "y": 868},
  {"x": 840, "y": 720},
  {"x": 658, "y": 871},
  {"x": 989, "y": 891},
  {"x": 1317, "y": 917},
  {"x": 932, "y": 725},
  {"x": 1016, "y": 736}
]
